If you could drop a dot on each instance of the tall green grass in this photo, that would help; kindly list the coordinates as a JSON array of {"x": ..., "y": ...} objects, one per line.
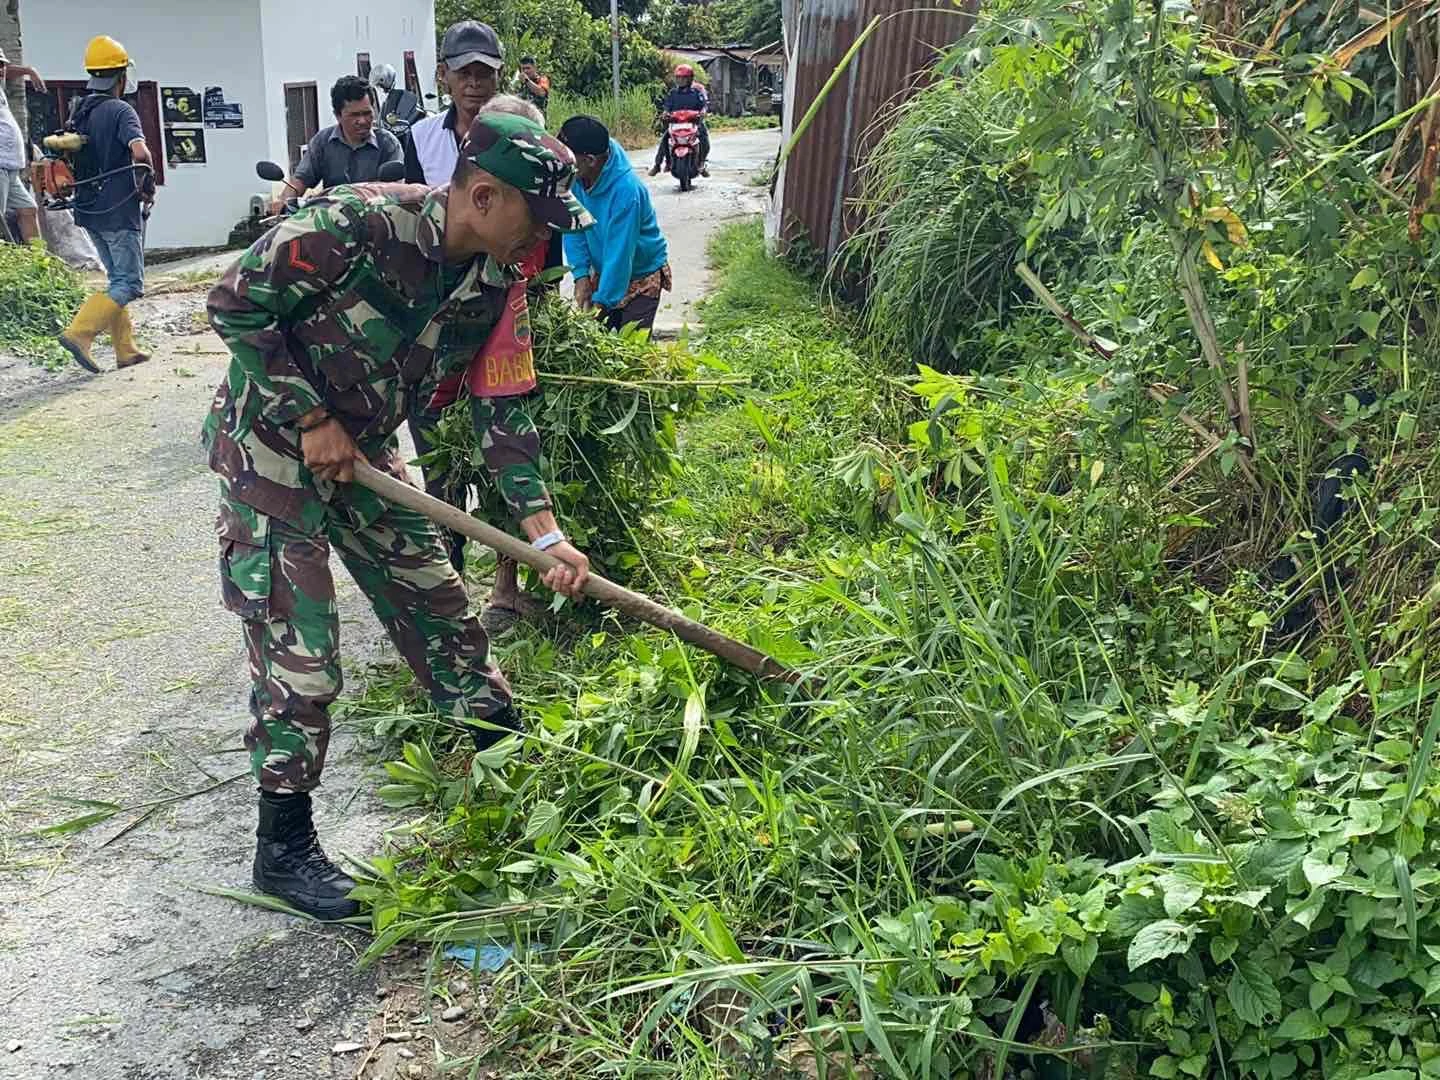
[
  {"x": 631, "y": 120},
  {"x": 939, "y": 225}
]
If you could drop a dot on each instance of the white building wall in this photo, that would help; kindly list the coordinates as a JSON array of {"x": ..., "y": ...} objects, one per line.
[
  {"x": 174, "y": 44},
  {"x": 318, "y": 42},
  {"x": 250, "y": 48}
]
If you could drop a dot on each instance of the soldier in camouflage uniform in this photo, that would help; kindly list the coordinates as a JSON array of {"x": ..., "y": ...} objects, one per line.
[{"x": 364, "y": 300}]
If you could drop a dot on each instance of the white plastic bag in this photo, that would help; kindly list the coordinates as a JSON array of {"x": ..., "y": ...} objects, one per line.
[{"x": 68, "y": 241}]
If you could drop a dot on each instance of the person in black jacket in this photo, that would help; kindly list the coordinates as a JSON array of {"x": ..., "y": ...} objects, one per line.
[{"x": 686, "y": 94}]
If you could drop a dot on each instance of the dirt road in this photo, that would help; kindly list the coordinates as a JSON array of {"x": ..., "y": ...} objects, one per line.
[{"x": 120, "y": 682}]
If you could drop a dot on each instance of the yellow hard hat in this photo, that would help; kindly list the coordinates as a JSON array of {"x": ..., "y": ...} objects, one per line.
[{"x": 104, "y": 53}]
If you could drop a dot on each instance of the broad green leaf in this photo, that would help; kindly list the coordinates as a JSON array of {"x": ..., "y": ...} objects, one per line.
[
  {"x": 1369, "y": 321},
  {"x": 1080, "y": 955},
  {"x": 1181, "y": 893},
  {"x": 1143, "y": 992},
  {"x": 1361, "y": 909},
  {"x": 1315, "y": 112},
  {"x": 1319, "y": 872},
  {"x": 543, "y": 820},
  {"x": 1272, "y": 860},
  {"x": 1432, "y": 986},
  {"x": 1282, "y": 1066},
  {"x": 1366, "y": 275},
  {"x": 1302, "y": 1024},
  {"x": 1364, "y": 818},
  {"x": 1252, "y": 992},
  {"x": 1158, "y": 940},
  {"x": 1222, "y": 948},
  {"x": 1320, "y": 993},
  {"x": 1165, "y": 1067}
]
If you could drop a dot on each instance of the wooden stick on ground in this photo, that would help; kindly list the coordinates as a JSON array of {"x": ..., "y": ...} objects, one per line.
[{"x": 597, "y": 587}]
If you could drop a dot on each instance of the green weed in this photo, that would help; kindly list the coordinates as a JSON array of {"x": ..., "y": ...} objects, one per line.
[
  {"x": 38, "y": 295},
  {"x": 631, "y": 120}
]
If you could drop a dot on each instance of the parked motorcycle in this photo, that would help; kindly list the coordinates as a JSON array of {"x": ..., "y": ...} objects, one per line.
[
  {"x": 260, "y": 221},
  {"x": 683, "y": 131},
  {"x": 397, "y": 108}
]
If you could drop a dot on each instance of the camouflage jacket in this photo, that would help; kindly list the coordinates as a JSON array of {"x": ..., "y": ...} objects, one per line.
[{"x": 348, "y": 303}]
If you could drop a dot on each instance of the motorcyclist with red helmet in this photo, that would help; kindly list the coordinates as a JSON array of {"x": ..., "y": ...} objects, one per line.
[{"x": 685, "y": 94}]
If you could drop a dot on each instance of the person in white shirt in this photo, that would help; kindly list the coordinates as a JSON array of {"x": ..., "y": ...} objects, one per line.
[{"x": 14, "y": 195}]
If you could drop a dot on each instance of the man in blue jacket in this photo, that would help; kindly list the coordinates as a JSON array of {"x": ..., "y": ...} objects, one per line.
[{"x": 620, "y": 263}]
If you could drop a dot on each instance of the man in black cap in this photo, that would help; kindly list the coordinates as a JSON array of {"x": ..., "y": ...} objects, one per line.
[{"x": 470, "y": 61}]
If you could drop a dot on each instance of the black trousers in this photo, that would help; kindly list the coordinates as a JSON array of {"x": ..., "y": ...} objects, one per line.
[{"x": 640, "y": 311}]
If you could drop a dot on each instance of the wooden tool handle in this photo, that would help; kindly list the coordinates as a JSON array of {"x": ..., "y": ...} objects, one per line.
[{"x": 597, "y": 587}]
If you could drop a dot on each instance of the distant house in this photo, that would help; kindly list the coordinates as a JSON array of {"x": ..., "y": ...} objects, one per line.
[
  {"x": 222, "y": 86},
  {"x": 739, "y": 79}
]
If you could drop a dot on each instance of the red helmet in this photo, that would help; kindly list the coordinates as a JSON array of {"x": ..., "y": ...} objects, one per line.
[{"x": 681, "y": 70}]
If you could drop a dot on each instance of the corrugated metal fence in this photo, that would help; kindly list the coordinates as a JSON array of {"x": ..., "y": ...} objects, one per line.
[{"x": 814, "y": 184}]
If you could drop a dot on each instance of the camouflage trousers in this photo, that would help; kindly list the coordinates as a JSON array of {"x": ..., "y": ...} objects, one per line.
[{"x": 277, "y": 579}]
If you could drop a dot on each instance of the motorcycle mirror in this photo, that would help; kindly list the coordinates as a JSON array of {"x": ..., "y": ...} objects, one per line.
[
  {"x": 392, "y": 172},
  {"x": 268, "y": 170}
]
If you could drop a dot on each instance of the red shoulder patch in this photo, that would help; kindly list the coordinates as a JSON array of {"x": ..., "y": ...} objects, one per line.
[{"x": 298, "y": 261}]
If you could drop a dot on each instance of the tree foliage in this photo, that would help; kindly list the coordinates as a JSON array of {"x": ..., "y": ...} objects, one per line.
[{"x": 571, "y": 45}]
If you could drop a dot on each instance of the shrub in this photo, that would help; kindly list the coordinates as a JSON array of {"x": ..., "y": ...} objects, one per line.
[
  {"x": 571, "y": 46},
  {"x": 940, "y": 226},
  {"x": 38, "y": 295},
  {"x": 608, "y": 405},
  {"x": 630, "y": 120}
]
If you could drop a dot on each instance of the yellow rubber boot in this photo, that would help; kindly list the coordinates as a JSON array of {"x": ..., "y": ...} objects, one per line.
[
  {"x": 122, "y": 333},
  {"x": 96, "y": 314}
]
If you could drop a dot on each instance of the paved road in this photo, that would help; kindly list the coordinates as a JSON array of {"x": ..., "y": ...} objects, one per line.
[{"x": 120, "y": 680}]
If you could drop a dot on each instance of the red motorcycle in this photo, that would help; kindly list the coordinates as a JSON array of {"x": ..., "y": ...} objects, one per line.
[{"x": 683, "y": 131}]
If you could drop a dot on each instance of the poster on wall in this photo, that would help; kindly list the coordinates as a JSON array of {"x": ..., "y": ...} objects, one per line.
[
  {"x": 180, "y": 105},
  {"x": 185, "y": 146},
  {"x": 220, "y": 113}
]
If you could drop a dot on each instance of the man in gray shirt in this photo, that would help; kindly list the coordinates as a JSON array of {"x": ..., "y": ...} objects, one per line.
[{"x": 349, "y": 152}]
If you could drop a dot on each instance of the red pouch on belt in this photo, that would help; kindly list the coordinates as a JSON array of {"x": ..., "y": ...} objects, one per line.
[{"x": 505, "y": 364}]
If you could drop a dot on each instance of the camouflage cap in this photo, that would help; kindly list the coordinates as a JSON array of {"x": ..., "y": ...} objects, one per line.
[{"x": 521, "y": 153}]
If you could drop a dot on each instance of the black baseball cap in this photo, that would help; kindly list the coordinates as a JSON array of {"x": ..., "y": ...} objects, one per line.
[
  {"x": 469, "y": 41},
  {"x": 585, "y": 135}
]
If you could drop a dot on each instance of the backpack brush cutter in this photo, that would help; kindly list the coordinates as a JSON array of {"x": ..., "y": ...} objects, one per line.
[{"x": 67, "y": 165}]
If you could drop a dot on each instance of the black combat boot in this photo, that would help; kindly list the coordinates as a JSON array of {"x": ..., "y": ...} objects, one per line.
[
  {"x": 290, "y": 864},
  {"x": 506, "y": 718}
]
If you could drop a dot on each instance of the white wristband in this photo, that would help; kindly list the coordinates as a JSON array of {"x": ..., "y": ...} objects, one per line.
[{"x": 549, "y": 540}]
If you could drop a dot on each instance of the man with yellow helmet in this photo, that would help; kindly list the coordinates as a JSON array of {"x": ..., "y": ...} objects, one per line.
[{"x": 112, "y": 207}]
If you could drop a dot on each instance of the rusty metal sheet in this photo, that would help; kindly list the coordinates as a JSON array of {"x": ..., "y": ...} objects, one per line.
[{"x": 818, "y": 177}]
